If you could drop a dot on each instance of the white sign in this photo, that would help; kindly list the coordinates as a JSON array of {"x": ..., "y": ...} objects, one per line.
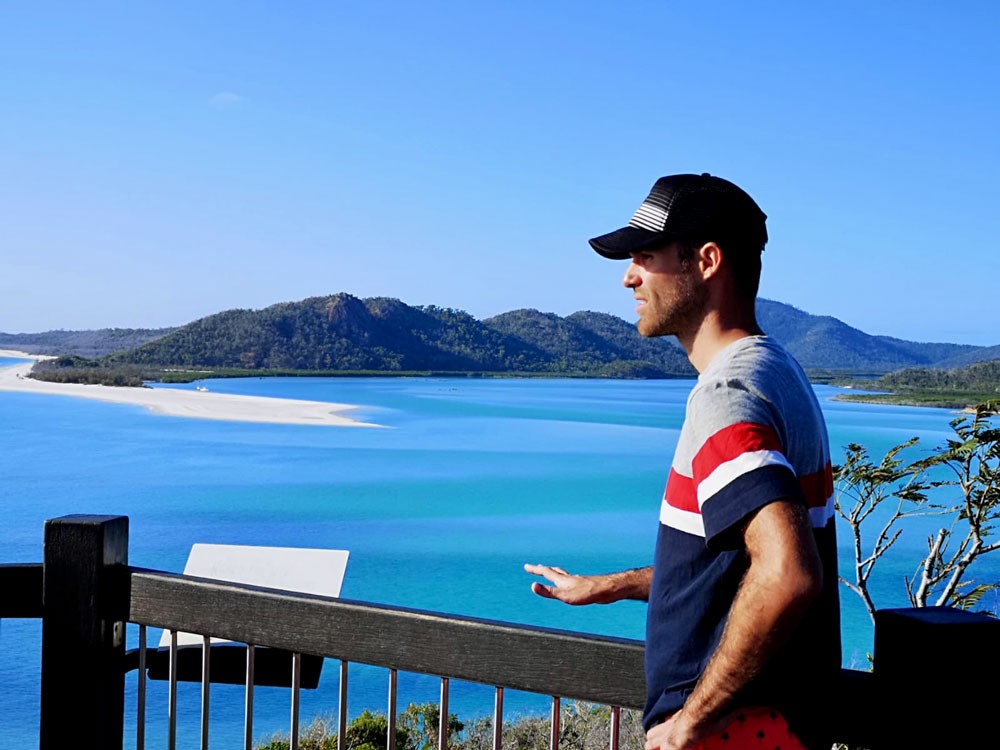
[{"x": 303, "y": 570}]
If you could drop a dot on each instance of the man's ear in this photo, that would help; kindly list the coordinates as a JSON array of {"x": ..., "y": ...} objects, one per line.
[{"x": 710, "y": 258}]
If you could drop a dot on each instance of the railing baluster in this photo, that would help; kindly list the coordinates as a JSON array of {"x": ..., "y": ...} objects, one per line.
[
  {"x": 248, "y": 703},
  {"x": 616, "y": 715},
  {"x": 172, "y": 695},
  {"x": 296, "y": 681},
  {"x": 140, "y": 709},
  {"x": 443, "y": 718},
  {"x": 390, "y": 739},
  {"x": 554, "y": 736},
  {"x": 342, "y": 708},
  {"x": 498, "y": 718},
  {"x": 206, "y": 681}
]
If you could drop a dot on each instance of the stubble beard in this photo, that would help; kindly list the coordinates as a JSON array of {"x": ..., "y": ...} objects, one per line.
[{"x": 677, "y": 315}]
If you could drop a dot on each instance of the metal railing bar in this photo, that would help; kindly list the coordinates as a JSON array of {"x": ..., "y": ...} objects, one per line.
[
  {"x": 498, "y": 719},
  {"x": 140, "y": 709},
  {"x": 443, "y": 717},
  {"x": 342, "y": 708},
  {"x": 598, "y": 669},
  {"x": 296, "y": 682},
  {"x": 554, "y": 734},
  {"x": 248, "y": 701},
  {"x": 172, "y": 695},
  {"x": 616, "y": 715},
  {"x": 206, "y": 681},
  {"x": 390, "y": 739}
]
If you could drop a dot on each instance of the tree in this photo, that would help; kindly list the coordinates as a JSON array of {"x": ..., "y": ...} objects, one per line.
[
  {"x": 893, "y": 490},
  {"x": 420, "y": 721},
  {"x": 974, "y": 460},
  {"x": 369, "y": 731}
]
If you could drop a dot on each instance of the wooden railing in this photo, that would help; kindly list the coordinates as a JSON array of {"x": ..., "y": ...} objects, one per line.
[{"x": 85, "y": 593}]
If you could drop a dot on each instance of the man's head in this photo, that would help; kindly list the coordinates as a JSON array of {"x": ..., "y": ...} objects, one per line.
[{"x": 692, "y": 210}]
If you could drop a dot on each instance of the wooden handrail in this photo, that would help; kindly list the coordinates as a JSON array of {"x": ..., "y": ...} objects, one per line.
[
  {"x": 85, "y": 592},
  {"x": 600, "y": 669}
]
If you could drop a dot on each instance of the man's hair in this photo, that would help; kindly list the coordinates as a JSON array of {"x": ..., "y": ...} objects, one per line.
[{"x": 742, "y": 257}]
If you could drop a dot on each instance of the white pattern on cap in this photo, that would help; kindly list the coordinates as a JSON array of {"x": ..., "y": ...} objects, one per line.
[{"x": 650, "y": 217}]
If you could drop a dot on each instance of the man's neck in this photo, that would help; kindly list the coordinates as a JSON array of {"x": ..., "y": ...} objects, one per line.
[{"x": 713, "y": 335}]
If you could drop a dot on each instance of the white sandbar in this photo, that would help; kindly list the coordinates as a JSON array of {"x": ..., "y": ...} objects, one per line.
[{"x": 184, "y": 403}]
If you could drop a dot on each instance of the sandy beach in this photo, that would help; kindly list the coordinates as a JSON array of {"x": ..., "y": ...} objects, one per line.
[{"x": 184, "y": 403}]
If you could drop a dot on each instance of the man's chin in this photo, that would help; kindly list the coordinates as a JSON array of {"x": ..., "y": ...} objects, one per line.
[{"x": 648, "y": 331}]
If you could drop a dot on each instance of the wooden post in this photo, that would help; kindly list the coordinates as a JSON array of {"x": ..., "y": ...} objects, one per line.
[
  {"x": 84, "y": 602},
  {"x": 934, "y": 668}
]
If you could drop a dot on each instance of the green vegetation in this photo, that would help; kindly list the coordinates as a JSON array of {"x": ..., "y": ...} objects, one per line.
[
  {"x": 957, "y": 388},
  {"x": 820, "y": 341},
  {"x": 344, "y": 335},
  {"x": 959, "y": 481},
  {"x": 582, "y": 726},
  {"x": 341, "y": 334},
  {"x": 72, "y": 369}
]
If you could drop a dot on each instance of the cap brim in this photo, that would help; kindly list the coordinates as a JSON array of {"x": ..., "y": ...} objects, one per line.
[{"x": 621, "y": 243}]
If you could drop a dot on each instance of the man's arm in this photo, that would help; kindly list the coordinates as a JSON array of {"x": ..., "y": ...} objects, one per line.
[
  {"x": 602, "y": 589},
  {"x": 784, "y": 575}
]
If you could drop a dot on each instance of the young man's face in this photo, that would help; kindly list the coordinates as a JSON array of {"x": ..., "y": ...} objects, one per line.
[{"x": 671, "y": 296}]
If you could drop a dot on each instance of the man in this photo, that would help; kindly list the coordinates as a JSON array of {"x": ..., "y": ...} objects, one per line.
[{"x": 743, "y": 632}]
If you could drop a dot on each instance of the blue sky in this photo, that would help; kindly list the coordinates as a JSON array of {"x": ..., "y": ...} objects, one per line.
[{"x": 164, "y": 161}]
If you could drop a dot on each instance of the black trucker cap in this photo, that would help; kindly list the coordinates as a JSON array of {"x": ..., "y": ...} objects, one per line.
[{"x": 690, "y": 207}]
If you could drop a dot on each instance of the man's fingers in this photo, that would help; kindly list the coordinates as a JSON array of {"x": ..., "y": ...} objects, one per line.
[
  {"x": 546, "y": 571},
  {"x": 547, "y": 591},
  {"x": 566, "y": 587}
]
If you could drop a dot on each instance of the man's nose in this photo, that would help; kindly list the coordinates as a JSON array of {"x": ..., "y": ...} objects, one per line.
[{"x": 631, "y": 278}]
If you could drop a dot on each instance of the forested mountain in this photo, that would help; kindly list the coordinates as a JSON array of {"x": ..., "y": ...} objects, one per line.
[
  {"x": 820, "y": 341},
  {"x": 81, "y": 343},
  {"x": 979, "y": 354},
  {"x": 342, "y": 332},
  {"x": 589, "y": 341}
]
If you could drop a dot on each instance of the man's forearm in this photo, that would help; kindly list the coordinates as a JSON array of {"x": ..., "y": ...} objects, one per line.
[
  {"x": 759, "y": 621},
  {"x": 599, "y": 589},
  {"x": 628, "y": 584},
  {"x": 784, "y": 576}
]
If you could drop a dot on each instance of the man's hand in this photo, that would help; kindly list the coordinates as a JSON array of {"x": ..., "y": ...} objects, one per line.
[
  {"x": 602, "y": 589},
  {"x": 673, "y": 733}
]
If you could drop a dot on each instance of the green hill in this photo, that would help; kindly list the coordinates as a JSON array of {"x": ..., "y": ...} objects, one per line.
[
  {"x": 823, "y": 342},
  {"x": 341, "y": 333}
]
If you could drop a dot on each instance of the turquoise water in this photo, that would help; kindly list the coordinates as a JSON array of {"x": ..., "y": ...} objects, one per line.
[{"x": 468, "y": 480}]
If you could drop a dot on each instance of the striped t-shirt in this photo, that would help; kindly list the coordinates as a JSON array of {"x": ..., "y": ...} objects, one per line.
[{"x": 753, "y": 433}]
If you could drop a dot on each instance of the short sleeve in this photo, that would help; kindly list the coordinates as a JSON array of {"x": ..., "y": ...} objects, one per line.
[{"x": 739, "y": 464}]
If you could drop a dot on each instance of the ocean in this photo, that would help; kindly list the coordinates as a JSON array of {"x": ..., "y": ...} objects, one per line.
[{"x": 468, "y": 480}]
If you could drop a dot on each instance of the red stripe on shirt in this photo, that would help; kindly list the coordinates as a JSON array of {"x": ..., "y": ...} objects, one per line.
[
  {"x": 818, "y": 486},
  {"x": 731, "y": 442},
  {"x": 681, "y": 492}
]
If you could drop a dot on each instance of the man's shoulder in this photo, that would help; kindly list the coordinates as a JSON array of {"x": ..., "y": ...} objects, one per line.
[
  {"x": 751, "y": 354},
  {"x": 758, "y": 364},
  {"x": 753, "y": 380}
]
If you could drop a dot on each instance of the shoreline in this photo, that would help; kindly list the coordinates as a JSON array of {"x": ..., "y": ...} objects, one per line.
[
  {"x": 958, "y": 406},
  {"x": 171, "y": 402}
]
